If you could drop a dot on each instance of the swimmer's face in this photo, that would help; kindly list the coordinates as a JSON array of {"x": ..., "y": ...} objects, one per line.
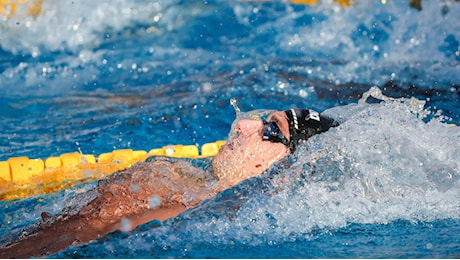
[{"x": 246, "y": 154}]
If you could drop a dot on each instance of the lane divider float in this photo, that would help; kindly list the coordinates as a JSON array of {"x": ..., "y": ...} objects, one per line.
[{"x": 21, "y": 177}]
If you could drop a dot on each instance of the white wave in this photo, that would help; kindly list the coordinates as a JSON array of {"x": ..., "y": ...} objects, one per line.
[
  {"x": 395, "y": 37},
  {"x": 67, "y": 26}
]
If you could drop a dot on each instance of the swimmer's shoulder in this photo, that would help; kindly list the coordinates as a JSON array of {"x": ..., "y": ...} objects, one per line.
[{"x": 160, "y": 167}]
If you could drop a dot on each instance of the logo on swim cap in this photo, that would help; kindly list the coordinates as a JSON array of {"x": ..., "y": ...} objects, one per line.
[{"x": 305, "y": 123}]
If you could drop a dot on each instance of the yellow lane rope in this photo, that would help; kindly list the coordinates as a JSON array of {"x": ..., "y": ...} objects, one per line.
[{"x": 21, "y": 177}]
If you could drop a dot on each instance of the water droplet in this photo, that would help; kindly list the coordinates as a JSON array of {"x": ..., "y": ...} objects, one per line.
[
  {"x": 125, "y": 225},
  {"x": 154, "y": 202}
]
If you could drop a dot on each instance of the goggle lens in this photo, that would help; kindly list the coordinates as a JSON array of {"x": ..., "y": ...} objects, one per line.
[{"x": 271, "y": 132}]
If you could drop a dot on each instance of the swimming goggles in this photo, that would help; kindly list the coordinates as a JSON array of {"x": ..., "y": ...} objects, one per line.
[{"x": 271, "y": 132}]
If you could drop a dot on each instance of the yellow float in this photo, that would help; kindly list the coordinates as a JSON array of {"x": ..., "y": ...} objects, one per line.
[{"x": 21, "y": 177}]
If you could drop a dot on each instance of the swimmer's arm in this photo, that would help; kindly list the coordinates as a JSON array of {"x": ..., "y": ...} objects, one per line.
[
  {"x": 161, "y": 214},
  {"x": 64, "y": 233}
]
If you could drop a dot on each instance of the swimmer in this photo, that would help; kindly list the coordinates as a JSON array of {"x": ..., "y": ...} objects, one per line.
[{"x": 162, "y": 188}]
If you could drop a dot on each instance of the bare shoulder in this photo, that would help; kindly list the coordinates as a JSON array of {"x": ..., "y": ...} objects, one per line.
[
  {"x": 157, "y": 182},
  {"x": 157, "y": 167}
]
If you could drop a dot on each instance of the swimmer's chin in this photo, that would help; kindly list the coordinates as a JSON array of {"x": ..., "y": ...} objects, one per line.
[{"x": 227, "y": 147}]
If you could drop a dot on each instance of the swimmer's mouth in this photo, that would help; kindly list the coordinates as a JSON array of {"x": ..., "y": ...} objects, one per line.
[{"x": 236, "y": 142}]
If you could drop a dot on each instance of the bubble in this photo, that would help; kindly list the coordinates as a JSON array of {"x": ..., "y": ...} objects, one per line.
[
  {"x": 135, "y": 188},
  {"x": 303, "y": 93},
  {"x": 125, "y": 225},
  {"x": 154, "y": 202},
  {"x": 207, "y": 87}
]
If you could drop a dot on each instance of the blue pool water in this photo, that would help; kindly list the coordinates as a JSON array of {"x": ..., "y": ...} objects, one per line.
[{"x": 94, "y": 76}]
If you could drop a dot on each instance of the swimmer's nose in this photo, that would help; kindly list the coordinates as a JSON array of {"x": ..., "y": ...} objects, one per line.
[{"x": 248, "y": 127}]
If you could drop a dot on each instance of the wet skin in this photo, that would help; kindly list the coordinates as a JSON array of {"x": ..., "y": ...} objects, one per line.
[{"x": 159, "y": 189}]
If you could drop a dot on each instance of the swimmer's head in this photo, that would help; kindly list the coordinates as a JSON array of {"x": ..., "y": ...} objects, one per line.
[{"x": 261, "y": 137}]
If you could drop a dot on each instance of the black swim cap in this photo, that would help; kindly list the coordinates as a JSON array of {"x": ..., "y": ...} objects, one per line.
[{"x": 305, "y": 123}]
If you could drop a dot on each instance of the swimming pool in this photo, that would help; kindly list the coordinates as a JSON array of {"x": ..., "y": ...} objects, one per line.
[{"x": 97, "y": 76}]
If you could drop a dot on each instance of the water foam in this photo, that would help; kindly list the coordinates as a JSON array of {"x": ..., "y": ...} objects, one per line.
[
  {"x": 396, "y": 41},
  {"x": 69, "y": 26}
]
